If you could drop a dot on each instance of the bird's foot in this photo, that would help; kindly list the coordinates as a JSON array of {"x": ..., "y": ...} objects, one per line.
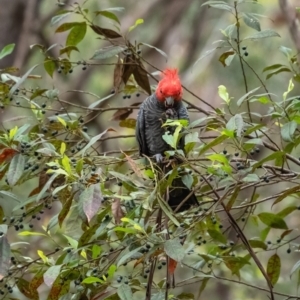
[{"x": 159, "y": 158}]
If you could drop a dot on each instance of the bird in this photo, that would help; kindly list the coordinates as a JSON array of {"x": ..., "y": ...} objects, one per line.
[{"x": 165, "y": 103}]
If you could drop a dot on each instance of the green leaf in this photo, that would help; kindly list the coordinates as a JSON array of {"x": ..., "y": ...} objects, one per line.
[
  {"x": 251, "y": 178},
  {"x": 222, "y": 90},
  {"x": 288, "y": 130},
  {"x": 273, "y": 67},
  {"x": 124, "y": 292},
  {"x": 66, "y": 26},
  {"x": 219, "y": 5},
  {"x": 76, "y": 34},
  {"x": 277, "y": 72},
  {"x": 213, "y": 143},
  {"x": 125, "y": 257},
  {"x": 263, "y": 34},
  {"x": 290, "y": 88},
  {"x": 28, "y": 233},
  {"x": 68, "y": 50},
  {"x": 295, "y": 267},
  {"x": 258, "y": 244},
  {"x": 164, "y": 54},
  {"x": 91, "y": 199},
  {"x": 16, "y": 169},
  {"x": 8, "y": 49},
  {"x": 49, "y": 66},
  {"x": 174, "y": 249},
  {"x": 20, "y": 81},
  {"x": 226, "y": 58},
  {"x": 108, "y": 15},
  {"x": 241, "y": 100},
  {"x": 217, "y": 236},
  {"x": 107, "y": 52},
  {"x": 272, "y": 220},
  {"x": 218, "y": 157},
  {"x": 236, "y": 123},
  {"x": 137, "y": 22},
  {"x": 91, "y": 279},
  {"x": 92, "y": 142},
  {"x": 169, "y": 139},
  {"x": 187, "y": 180},
  {"x": 5, "y": 254},
  {"x": 273, "y": 156},
  {"x": 286, "y": 211},
  {"x": 273, "y": 268},
  {"x": 51, "y": 274},
  {"x": 208, "y": 52},
  {"x": 251, "y": 21},
  {"x": 59, "y": 17},
  {"x": 286, "y": 51}
]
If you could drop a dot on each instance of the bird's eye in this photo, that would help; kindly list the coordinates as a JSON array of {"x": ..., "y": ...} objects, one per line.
[{"x": 161, "y": 91}]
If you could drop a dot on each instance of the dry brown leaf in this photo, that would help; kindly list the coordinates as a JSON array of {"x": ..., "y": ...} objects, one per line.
[{"x": 117, "y": 211}]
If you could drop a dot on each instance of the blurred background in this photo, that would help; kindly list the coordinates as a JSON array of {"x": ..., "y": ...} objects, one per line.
[{"x": 185, "y": 31}]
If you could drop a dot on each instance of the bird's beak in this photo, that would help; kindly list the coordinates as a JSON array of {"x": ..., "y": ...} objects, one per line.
[{"x": 169, "y": 101}]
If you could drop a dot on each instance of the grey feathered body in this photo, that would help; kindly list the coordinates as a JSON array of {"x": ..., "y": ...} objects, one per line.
[{"x": 149, "y": 130}]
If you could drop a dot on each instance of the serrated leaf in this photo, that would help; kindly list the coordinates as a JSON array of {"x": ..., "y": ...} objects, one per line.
[
  {"x": 174, "y": 249},
  {"x": 76, "y": 34},
  {"x": 16, "y": 169},
  {"x": 251, "y": 21},
  {"x": 272, "y": 220},
  {"x": 91, "y": 199},
  {"x": 288, "y": 130},
  {"x": 273, "y": 268},
  {"x": 107, "y": 52},
  {"x": 263, "y": 34},
  {"x": 8, "y": 49}
]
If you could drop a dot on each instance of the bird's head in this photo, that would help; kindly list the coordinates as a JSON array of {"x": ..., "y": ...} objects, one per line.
[{"x": 169, "y": 89}]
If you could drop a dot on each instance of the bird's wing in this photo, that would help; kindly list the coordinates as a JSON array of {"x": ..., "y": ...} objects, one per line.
[{"x": 140, "y": 131}]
